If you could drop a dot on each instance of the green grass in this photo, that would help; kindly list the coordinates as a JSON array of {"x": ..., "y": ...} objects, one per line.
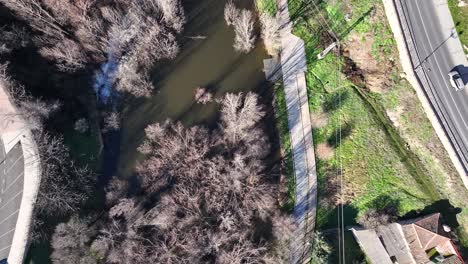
[
  {"x": 266, "y": 6},
  {"x": 84, "y": 148},
  {"x": 377, "y": 169},
  {"x": 287, "y": 168},
  {"x": 460, "y": 18}
]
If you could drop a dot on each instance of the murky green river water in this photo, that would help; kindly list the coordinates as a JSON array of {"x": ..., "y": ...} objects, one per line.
[{"x": 209, "y": 61}]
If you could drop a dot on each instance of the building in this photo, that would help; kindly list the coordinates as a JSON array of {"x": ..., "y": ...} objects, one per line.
[{"x": 416, "y": 241}]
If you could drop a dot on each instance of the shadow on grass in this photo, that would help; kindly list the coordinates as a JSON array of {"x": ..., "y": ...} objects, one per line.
[
  {"x": 340, "y": 134},
  {"x": 335, "y": 101}
]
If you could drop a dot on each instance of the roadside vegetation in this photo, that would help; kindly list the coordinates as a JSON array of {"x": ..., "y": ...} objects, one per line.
[
  {"x": 287, "y": 167},
  {"x": 391, "y": 157},
  {"x": 460, "y": 18}
]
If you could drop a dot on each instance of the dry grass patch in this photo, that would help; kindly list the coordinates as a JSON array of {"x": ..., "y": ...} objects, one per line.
[
  {"x": 325, "y": 151},
  {"x": 318, "y": 120}
]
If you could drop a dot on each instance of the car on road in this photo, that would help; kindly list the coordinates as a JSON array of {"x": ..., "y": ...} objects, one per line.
[{"x": 456, "y": 80}]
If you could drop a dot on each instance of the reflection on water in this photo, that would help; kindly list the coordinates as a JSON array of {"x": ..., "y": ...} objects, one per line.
[{"x": 207, "y": 60}]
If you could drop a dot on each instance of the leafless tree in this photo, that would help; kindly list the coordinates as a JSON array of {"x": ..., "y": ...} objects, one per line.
[
  {"x": 198, "y": 166},
  {"x": 243, "y": 28},
  {"x": 70, "y": 243},
  {"x": 13, "y": 37},
  {"x": 239, "y": 116},
  {"x": 67, "y": 53},
  {"x": 81, "y": 125},
  {"x": 270, "y": 34},
  {"x": 173, "y": 13},
  {"x": 112, "y": 121},
  {"x": 243, "y": 24},
  {"x": 131, "y": 80},
  {"x": 64, "y": 185},
  {"x": 202, "y": 96},
  {"x": 34, "y": 111},
  {"x": 75, "y": 33},
  {"x": 230, "y": 13},
  {"x": 34, "y": 12},
  {"x": 116, "y": 190}
]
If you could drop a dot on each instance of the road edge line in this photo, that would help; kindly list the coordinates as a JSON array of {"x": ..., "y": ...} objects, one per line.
[{"x": 405, "y": 62}]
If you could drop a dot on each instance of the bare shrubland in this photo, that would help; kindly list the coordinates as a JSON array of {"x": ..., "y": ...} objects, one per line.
[
  {"x": 64, "y": 186},
  {"x": 12, "y": 38},
  {"x": 70, "y": 242},
  {"x": 215, "y": 201},
  {"x": 130, "y": 34}
]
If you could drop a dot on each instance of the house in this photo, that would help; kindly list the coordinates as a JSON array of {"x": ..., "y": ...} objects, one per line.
[{"x": 417, "y": 241}]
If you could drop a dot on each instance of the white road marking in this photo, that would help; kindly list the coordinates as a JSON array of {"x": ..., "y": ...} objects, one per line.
[
  {"x": 11, "y": 199},
  {"x": 13, "y": 182},
  {"x": 439, "y": 68},
  {"x": 9, "y": 216},
  {"x": 7, "y": 232}
]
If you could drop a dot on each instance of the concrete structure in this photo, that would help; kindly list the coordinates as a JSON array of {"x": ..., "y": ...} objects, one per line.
[
  {"x": 415, "y": 241},
  {"x": 293, "y": 66},
  {"x": 425, "y": 34},
  {"x": 19, "y": 181}
]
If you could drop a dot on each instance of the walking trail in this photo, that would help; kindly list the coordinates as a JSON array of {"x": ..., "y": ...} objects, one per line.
[{"x": 293, "y": 66}]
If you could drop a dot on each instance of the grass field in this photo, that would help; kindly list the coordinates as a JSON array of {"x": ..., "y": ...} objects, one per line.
[
  {"x": 389, "y": 152},
  {"x": 460, "y": 18}
]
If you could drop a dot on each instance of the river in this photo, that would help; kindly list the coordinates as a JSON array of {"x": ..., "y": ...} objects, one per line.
[{"x": 207, "y": 59}]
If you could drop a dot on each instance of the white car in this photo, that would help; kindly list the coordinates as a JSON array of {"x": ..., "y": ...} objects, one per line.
[{"x": 456, "y": 80}]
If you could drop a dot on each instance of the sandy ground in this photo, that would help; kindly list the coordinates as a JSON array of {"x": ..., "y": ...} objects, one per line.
[{"x": 376, "y": 73}]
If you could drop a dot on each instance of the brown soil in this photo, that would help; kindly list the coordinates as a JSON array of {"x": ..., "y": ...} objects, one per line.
[
  {"x": 318, "y": 120},
  {"x": 325, "y": 151},
  {"x": 376, "y": 73}
]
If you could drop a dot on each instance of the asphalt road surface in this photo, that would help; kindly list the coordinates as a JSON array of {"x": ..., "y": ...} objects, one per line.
[
  {"x": 437, "y": 52},
  {"x": 11, "y": 190}
]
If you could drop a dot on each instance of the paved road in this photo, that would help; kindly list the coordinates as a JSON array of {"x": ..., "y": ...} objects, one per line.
[
  {"x": 435, "y": 50},
  {"x": 11, "y": 193},
  {"x": 293, "y": 66}
]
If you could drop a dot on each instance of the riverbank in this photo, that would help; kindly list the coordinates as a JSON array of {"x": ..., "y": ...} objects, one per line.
[{"x": 407, "y": 169}]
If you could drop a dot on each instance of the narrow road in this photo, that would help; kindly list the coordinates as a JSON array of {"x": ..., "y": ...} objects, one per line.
[
  {"x": 435, "y": 50},
  {"x": 293, "y": 66}
]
